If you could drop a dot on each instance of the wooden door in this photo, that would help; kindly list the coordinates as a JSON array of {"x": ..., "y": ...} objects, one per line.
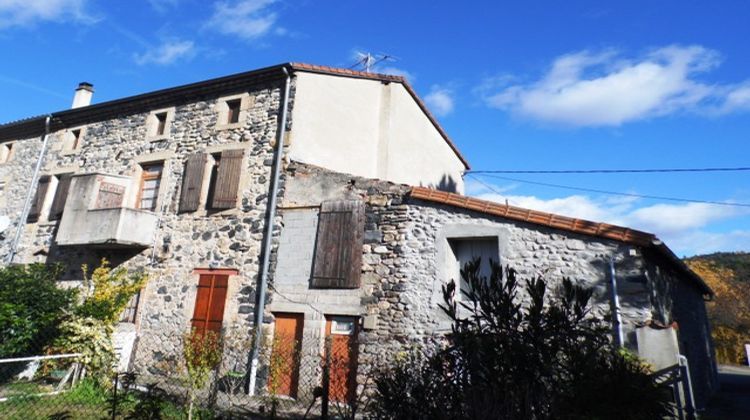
[
  {"x": 285, "y": 354},
  {"x": 341, "y": 336}
]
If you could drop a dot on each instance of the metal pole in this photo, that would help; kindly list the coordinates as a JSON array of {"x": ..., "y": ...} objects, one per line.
[
  {"x": 266, "y": 250},
  {"x": 616, "y": 320},
  {"x": 30, "y": 193}
]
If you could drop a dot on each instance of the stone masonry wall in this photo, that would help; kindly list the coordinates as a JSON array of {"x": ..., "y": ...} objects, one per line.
[
  {"x": 406, "y": 242},
  {"x": 229, "y": 239}
]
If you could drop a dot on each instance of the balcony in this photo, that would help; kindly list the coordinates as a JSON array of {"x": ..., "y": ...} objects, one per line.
[{"x": 95, "y": 215}]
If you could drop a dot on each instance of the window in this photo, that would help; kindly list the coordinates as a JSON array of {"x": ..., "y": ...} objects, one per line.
[
  {"x": 209, "y": 300},
  {"x": 161, "y": 123},
  {"x": 76, "y": 139},
  {"x": 39, "y": 198},
  {"x": 131, "y": 310},
  {"x": 338, "y": 249},
  {"x": 6, "y": 152},
  {"x": 223, "y": 180},
  {"x": 61, "y": 196},
  {"x": 157, "y": 124},
  {"x": 233, "y": 111},
  {"x": 466, "y": 250},
  {"x": 149, "y": 188}
]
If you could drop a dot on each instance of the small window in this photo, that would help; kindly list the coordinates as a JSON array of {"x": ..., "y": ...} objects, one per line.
[
  {"x": 161, "y": 123},
  {"x": 6, "y": 152},
  {"x": 466, "y": 250},
  {"x": 233, "y": 111},
  {"x": 149, "y": 189},
  {"x": 343, "y": 325},
  {"x": 76, "y": 139}
]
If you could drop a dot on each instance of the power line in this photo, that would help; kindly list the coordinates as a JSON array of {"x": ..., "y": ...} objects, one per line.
[
  {"x": 612, "y": 171},
  {"x": 652, "y": 197}
]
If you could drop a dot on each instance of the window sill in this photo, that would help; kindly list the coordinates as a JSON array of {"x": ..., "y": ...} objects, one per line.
[
  {"x": 157, "y": 139},
  {"x": 229, "y": 126},
  {"x": 70, "y": 152}
]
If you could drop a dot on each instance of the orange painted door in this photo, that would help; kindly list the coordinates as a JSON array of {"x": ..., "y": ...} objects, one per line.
[
  {"x": 342, "y": 332},
  {"x": 285, "y": 354}
]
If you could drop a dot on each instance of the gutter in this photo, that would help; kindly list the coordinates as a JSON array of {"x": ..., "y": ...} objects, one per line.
[
  {"x": 30, "y": 193},
  {"x": 616, "y": 318},
  {"x": 267, "y": 240}
]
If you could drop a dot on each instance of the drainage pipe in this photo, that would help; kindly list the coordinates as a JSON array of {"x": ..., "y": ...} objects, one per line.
[
  {"x": 30, "y": 193},
  {"x": 266, "y": 250},
  {"x": 616, "y": 320}
]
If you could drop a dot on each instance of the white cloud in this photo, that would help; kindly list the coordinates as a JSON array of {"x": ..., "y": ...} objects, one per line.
[
  {"x": 686, "y": 228},
  {"x": 605, "y": 89},
  {"x": 29, "y": 12},
  {"x": 167, "y": 53},
  {"x": 247, "y": 19},
  {"x": 440, "y": 100}
]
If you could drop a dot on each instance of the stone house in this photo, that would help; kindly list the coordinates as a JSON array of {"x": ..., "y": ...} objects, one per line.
[{"x": 304, "y": 202}]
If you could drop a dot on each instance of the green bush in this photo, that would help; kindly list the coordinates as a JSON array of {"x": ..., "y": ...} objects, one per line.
[
  {"x": 31, "y": 308},
  {"x": 508, "y": 357}
]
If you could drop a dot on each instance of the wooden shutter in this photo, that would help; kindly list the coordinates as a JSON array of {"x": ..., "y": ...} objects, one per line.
[
  {"x": 209, "y": 302},
  {"x": 61, "y": 196},
  {"x": 338, "y": 251},
  {"x": 192, "y": 182},
  {"x": 38, "y": 203},
  {"x": 228, "y": 179}
]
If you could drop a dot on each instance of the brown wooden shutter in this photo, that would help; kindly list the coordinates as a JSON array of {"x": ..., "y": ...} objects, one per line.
[
  {"x": 228, "y": 179},
  {"x": 209, "y": 302},
  {"x": 192, "y": 182},
  {"x": 61, "y": 196},
  {"x": 338, "y": 251},
  {"x": 38, "y": 203}
]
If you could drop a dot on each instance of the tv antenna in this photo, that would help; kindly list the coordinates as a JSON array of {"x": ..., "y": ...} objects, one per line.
[{"x": 366, "y": 61}]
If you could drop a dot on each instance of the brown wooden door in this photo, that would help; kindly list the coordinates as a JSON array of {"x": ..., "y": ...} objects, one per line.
[
  {"x": 285, "y": 354},
  {"x": 341, "y": 336}
]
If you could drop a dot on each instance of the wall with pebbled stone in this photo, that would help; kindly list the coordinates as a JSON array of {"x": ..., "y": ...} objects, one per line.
[
  {"x": 228, "y": 239},
  {"x": 407, "y": 243}
]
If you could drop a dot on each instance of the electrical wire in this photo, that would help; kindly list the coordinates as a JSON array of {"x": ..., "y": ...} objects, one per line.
[
  {"x": 652, "y": 197},
  {"x": 612, "y": 171}
]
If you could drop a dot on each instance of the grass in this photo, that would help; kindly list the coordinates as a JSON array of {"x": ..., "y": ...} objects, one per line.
[{"x": 86, "y": 400}]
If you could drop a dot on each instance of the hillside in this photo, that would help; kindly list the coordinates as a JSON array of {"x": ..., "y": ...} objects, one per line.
[
  {"x": 728, "y": 274},
  {"x": 737, "y": 262}
]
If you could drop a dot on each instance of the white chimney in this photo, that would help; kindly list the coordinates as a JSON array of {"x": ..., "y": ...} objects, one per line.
[{"x": 83, "y": 95}]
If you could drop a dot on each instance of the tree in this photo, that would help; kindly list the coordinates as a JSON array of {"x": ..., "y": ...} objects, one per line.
[
  {"x": 729, "y": 311},
  {"x": 31, "y": 308},
  {"x": 514, "y": 356}
]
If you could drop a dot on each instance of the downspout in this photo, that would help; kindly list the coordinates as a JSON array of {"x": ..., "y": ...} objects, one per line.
[
  {"x": 266, "y": 250},
  {"x": 30, "y": 193},
  {"x": 616, "y": 320}
]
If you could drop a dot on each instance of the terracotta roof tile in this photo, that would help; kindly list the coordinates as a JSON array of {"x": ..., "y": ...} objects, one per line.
[{"x": 556, "y": 221}]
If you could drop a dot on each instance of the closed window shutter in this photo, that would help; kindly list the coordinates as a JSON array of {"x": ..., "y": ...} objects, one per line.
[
  {"x": 192, "y": 182},
  {"x": 338, "y": 250},
  {"x": 38, "y": 203},
  {"x": 227, "y": 179},
  {"x": 209, "y": 302},
  {"x": 61, "y": 196}
]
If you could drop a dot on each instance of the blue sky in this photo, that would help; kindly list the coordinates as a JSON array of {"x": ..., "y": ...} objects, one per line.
[{"x": 519, "y": 85}]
